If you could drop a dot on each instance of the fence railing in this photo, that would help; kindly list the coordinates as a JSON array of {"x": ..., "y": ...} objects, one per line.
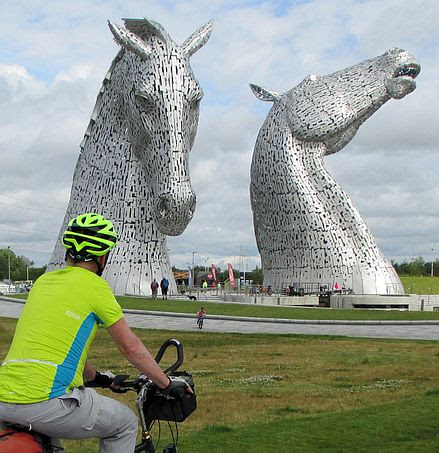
[{"x": 293, "y": 290}]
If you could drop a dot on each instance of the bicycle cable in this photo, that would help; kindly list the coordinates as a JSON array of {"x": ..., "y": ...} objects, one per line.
[
  {"x": 174, "y": 438},
  {"x": 172, "y": 432},
  {"x": 177, "y": 433},
  {"x": 159, "y": 432}
]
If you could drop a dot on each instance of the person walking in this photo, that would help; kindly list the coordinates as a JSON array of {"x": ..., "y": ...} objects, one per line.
[
  {"x": 164, "y": 286},
  {"x": 154, "y": 288},
  {"x": 42, "y": 377}
]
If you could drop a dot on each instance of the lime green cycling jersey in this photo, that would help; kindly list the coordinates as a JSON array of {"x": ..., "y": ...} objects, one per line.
[{"x": 53, "y": 335}]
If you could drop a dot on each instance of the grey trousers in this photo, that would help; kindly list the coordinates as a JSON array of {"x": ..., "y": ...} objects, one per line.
[{"x": 81, "y": 414}]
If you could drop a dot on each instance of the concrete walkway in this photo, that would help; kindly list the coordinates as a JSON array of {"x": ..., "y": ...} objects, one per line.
[{"x": 416, "y": 330}]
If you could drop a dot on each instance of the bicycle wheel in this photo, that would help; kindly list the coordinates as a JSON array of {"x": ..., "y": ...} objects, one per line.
[{"x": 200, "y": 323}]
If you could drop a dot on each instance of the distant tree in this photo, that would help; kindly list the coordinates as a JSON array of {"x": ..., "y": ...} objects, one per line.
[
  {"x": 256, "y": 276},
  {"x": 403, "y": 268},
  {"x": 19, "y": 266},
  {"x": 176, "y": 269},
  {"x": 4, "y": 263},
  {"x": 35, "y": 272},
  {"x": 199, "y": 269},
  {"x": 417, "y": 266},
  {"x": 13, "y": 264}
]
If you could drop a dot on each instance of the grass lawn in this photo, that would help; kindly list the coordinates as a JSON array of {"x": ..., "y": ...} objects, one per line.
[
  {"x": 218, "y": 308},
  {"x": 276, "y": 393},
  {"x": 420, "y": 285},
  {"x": 261, "y": 311}
]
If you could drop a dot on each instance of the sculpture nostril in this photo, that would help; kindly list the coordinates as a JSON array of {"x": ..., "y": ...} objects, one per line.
[
  {"x": 191, "y": 210},
  {"x": 163, "y": 208},
  {"x": 174, "y": 212}
]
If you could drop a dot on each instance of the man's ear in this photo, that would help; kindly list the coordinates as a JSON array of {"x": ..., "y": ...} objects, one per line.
[{"x": 102, "y": 260}]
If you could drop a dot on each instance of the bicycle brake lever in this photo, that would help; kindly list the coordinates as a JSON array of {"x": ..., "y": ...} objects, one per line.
[
  {"x": 118, "y": 381},
  {"x": 120, "y": 378}
]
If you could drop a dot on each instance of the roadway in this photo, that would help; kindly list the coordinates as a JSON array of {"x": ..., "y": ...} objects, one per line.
[{"x": 416, "y": 330}]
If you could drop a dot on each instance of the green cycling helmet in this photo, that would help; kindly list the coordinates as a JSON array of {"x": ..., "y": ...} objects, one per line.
[{"x": 89, "y": 236}]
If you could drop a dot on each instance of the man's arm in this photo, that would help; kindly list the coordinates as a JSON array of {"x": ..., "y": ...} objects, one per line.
[
  {"x": 89, "y": 372},
  {"x": 136, "y": 353}
]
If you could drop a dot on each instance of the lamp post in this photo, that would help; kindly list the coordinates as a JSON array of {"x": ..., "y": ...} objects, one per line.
[
  {"x": 245, "y": 266},
  {"x": 193, "y": 270},
  {"x": 432, "y": 270},
  {"x": 9, "y": 264},
  {"x": 205, "y": 264},
  {"x": 189, "y": 275}
]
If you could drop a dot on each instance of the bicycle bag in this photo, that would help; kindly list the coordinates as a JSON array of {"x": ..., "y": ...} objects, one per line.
[
  {"x": 160, "y": 407},
  {"x": 14, "y": 440}
]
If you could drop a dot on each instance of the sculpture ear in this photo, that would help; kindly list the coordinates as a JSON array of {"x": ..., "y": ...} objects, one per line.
[
  {"x": 146, "y": 27},
  {"x": 129, "y": 40},
  {"x": 263, "y": 94},
  {"x": 197, "y": 39}
]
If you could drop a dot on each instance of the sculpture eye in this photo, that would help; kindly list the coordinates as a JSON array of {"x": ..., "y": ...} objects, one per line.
[
  {"x": 195, "y": 97},
  {"x": 195, "y": 103},
  {"x": 145, "y": 101}
]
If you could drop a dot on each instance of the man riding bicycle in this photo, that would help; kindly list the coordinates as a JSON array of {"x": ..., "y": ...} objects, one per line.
[{"x": 42, "y": 376}]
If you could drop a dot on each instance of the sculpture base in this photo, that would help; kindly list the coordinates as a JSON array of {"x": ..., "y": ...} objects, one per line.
[
  {"x": 376, "y": 301},
  {"x": 410, "y": 302}
]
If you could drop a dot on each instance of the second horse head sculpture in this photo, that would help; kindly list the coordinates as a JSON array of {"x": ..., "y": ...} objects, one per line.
[{"x": 308, "y": 230}]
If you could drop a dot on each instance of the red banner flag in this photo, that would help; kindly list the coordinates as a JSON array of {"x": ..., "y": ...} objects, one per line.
[
  {"x": 231, "y": 275},
  {"x": 214, "y": 272}
]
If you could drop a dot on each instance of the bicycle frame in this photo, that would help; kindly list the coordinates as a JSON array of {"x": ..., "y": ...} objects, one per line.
[{"x": 147, "y": 445}]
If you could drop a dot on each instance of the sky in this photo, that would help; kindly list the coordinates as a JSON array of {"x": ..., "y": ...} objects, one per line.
[{"x": 54, "y": 55}]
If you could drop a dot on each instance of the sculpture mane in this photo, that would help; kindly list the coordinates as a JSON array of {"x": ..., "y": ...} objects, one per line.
[
  {"x": 307, "y": 229},
  {"x": 133, "y": 163}
]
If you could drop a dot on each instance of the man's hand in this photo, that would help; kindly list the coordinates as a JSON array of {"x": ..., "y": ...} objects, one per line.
[
  {"x": 104, "y": 380},
  {"x": 176, "y": 388}
]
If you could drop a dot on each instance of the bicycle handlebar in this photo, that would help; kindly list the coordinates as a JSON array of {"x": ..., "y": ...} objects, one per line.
[
  {"x": 135, "y": 384},
  {"x": 164, "y": 347}
]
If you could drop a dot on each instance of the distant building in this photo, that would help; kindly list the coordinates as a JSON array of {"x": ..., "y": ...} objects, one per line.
[{"x": 181, "y": 277}]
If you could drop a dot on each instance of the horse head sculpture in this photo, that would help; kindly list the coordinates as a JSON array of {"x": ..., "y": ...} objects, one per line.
[
  {"x": 133, "y": 166},
  {"x": 307, "y": 229},
  {"x": 160, "y": 100}
]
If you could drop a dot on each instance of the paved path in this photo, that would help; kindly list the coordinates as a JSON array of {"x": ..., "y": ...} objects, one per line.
[{"x": 421, "y": 331}]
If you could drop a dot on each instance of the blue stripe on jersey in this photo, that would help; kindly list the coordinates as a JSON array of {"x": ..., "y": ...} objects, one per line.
[{"x": 66, "y": 371}]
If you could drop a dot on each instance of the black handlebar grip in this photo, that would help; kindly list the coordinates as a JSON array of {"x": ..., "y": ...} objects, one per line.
[{"x": 178, "y": 345}]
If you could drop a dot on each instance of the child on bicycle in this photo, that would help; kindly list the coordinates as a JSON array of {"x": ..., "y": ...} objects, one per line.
[
  {"x": 202, "y": 313},
  {"x": 200, "y": 317}
]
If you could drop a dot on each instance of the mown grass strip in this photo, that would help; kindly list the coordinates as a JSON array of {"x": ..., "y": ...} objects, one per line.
[
  {"x": 420, "y": 285},
  {"x": 259, "y": 311}
]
